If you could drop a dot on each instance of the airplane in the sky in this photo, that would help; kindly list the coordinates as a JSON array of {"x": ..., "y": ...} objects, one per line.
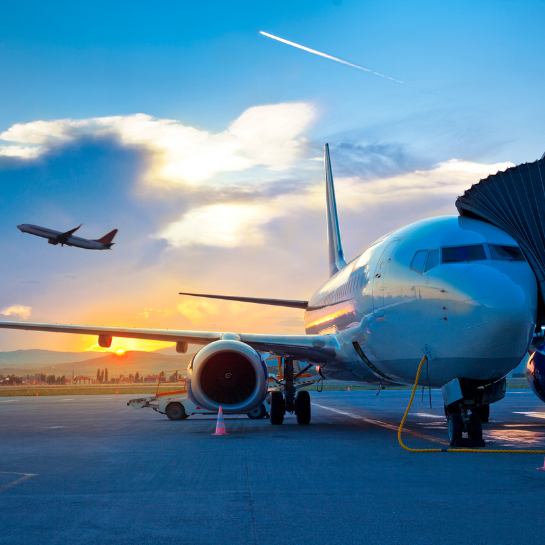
[
  {"x": 68, "y": 238},
  {"x": 460, "y": 290}
]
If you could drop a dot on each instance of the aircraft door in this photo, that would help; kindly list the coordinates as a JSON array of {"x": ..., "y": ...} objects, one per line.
[{"x": 379, "y": 280}]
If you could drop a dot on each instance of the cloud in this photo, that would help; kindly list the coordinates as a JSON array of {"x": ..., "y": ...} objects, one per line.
[
  {"x": 244, "y": 224},
  {"x": 446, "y": 179},
  {"x": 197, "y": 311},
  {"x": 225, "y": 225},
  {"x": 17, "y": 310},
  {"x": 263, "y": 136}
]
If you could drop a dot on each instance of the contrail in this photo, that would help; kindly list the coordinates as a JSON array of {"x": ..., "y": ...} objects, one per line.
[
  {"x": 442, "y": 97},
  {"x": 320, "y": 54}
]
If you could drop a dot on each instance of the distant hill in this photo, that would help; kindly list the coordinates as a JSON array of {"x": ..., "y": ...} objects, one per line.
[
  {"x": 130, "y": 362},
  {"x": 37, "y": 356},
  {"x": 171, "y": 350}
]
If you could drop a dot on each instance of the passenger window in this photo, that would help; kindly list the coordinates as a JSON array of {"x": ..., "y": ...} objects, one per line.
[
  {"x": 456, "y": 254},
  {"x": 433, "y": 260},
  {"x": 417, "y": 264},
  {"x": 506, "y": 253}
]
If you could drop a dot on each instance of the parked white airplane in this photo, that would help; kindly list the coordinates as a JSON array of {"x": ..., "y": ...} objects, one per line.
[
  {"x": 455, "y": 289},
  {"x": 68, "y": 238}
]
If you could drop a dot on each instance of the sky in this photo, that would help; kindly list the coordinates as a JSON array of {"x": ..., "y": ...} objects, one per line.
[{"x": 201, "y": 140}]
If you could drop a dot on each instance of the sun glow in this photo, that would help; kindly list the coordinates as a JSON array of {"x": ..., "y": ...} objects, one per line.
[{"x": 120, "y": 351}]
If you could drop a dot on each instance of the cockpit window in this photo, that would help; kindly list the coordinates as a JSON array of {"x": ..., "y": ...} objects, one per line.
[
  {"x": 455, "y": 254},
  {"x": 417, "y": 264},
  {"x": 433, "y": 260},
  {"x": 506, "y": 253}
]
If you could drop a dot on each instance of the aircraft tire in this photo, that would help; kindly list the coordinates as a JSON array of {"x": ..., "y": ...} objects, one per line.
[
  {"x": 454, "y": 428},
  {"x": 483, "y": 411},
  {"x": 175, "y": 411},
  {"x": 475, "y": 427},
  {"x": 302, "y": 407},
  {"x": 258, "y": 413},
  {"x": 278, "y": 408}
]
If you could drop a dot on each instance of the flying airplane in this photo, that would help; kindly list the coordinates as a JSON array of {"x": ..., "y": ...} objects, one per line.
[
  {"x": 460, "y": 290},
  {"x": 68, "y": 238}
]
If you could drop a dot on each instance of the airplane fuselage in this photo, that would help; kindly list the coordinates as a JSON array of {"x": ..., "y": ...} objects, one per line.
[
  {"x": 455, "y": 288},
  {"x": 56, "y": 237}
]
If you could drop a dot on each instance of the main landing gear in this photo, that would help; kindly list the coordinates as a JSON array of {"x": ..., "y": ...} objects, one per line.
[{"x": 289, "y": 401}]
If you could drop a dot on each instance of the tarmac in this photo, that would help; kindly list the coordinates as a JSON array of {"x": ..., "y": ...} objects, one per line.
[{"x": 89, "y": 469}]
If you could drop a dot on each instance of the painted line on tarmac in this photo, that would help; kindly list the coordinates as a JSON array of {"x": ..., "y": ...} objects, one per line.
[
  {"x": 8, "y": 400},
  {"x": 25, "y": 477},
  {"x": 384, "y": 425}
]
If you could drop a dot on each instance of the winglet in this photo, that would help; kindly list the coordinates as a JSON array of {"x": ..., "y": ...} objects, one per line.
[
  {"x": 336, "y": 254},
  {"x": 107, "y": 239}
]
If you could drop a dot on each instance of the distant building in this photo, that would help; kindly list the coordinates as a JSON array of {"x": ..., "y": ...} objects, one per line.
[
  {"x": 81, "y": 380},
  {"x": 152, "y": 378}
]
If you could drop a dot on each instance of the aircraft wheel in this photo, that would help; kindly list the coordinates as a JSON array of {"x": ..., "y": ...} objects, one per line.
[
  {"x": 175, "y": 411},
  {"x": 454, "y": 428},
  {"x": 302, "y": 407},
  {"x": 483, "y": 411},
  {"x": 258, "y": 413},
  {"x": 278, "y": 408},
  {"x": 475, "y": 427}
]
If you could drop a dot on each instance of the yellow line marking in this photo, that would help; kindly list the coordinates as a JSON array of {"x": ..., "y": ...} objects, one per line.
[
  {"x": 384, "y": 425},
  {"x": 25, "y": 477}
]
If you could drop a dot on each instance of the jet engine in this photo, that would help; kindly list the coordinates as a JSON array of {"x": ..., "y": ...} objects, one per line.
[
  {"x": 229, "y": 374},
  {"x": 535, "y": 372}
]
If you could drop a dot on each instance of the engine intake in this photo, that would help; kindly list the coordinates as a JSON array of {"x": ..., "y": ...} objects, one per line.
[{"x": 229, "y": 374}]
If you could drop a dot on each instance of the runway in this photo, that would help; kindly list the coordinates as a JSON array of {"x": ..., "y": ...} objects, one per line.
[{"x": 89, "y": 469}]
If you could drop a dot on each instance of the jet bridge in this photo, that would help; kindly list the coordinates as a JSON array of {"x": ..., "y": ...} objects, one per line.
[{"x": 514, "y": 200}]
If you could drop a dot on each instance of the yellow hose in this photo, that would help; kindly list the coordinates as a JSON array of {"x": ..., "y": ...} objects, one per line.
[{"x": 449, "y": 449}]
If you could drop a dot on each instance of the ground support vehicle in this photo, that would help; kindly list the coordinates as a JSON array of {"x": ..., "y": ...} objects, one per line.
[{"x": 180, "y": 407}]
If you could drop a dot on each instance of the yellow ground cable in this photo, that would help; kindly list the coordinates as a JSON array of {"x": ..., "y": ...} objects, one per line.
[{"x": 449, "y": 449}]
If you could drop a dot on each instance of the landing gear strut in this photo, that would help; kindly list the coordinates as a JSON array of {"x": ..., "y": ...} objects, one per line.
[{"x": 289, "y": 401}]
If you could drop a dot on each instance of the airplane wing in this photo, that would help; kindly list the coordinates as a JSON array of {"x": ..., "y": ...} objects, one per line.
[
  {"x": 71, "y": 232},
  {"x": 310, "y": 348}
]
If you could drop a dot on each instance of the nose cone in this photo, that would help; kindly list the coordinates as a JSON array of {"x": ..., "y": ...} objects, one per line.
[
  {"x": 495, "y": 310},
  {"x": 20, "y": 227}
]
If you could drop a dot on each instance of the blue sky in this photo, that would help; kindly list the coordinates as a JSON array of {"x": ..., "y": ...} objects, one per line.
[{"x": 222, "y": 167}]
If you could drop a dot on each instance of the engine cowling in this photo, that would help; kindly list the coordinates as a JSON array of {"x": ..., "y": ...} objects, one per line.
[
  {"x": 535, "y": 372},
  {"x": 229, "y": 374}
]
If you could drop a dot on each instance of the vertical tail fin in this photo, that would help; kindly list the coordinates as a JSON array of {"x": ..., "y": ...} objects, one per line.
[
  {"x": 107, "y": 239},
  {"x": 336, "y": 254}
]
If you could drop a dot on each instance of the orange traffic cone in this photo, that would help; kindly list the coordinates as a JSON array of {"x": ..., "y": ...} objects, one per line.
[
  {"x": 36, "y": 394},
  {"x": 116, "y": 392},
  {"x": 220, "y": 425},
  {"x": 349, "y": 388},
  {"x": 541, "y": 468}
]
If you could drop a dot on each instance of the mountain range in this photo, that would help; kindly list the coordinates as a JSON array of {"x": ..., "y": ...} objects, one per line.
[{"x": 23, "y": 362}]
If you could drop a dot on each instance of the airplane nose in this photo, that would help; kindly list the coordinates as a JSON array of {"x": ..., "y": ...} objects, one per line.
[
  {"x": 495, "y": 311},
  {"x": 20, "y": 227}
]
